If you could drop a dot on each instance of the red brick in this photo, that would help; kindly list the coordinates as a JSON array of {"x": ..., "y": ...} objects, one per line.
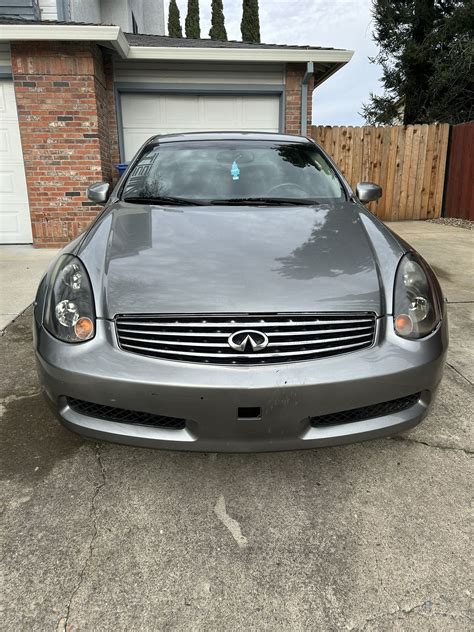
[
  {"x": 294, "y": 78},
  {"x": 64, "y": 156}
]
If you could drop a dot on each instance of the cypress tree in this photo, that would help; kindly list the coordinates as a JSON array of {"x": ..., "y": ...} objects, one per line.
[
  {"x": 174, "y": 23},
  {"x": 192, "y": 27},
  {"x": 217, "y": 31},
  {"x": 250, "y": 25}
]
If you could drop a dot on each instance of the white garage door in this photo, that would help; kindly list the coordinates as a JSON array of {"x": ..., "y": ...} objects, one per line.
[
  {"x": 15, "y": 225},
  {"x": 146, "y": 114}
]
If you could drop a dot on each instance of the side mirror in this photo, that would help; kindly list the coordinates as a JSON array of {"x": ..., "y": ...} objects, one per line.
[
  {"x": 368, "y": 192},
  {"x": 99, "y": 192}
]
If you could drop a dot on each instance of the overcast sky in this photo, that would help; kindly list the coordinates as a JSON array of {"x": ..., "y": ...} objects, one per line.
[{"x": 333, "y": 23}]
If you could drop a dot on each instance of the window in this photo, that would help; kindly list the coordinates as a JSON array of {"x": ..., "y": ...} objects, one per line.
[{"x": 232, "y": 170}]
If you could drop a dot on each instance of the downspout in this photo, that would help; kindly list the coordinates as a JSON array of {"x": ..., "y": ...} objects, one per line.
[{"x": 304, "y": 97}]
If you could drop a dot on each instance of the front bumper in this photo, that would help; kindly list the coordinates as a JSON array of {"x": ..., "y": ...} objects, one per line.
[{"x": 209, "y": 397}]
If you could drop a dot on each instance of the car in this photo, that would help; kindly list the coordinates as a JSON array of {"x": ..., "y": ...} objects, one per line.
[{"x": 235, "y": 294}]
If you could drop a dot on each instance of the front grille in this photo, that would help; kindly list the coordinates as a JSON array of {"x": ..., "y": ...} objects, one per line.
[
  {"x": 366, "y": 412},
  {"x": 121, "y": 415},
  {"x": 204, "y": 338}
]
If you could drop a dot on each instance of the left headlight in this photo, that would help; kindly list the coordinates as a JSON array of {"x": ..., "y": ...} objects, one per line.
[
  {"x": 70, "y": 312},
  {"x": 417, "y": 300}
]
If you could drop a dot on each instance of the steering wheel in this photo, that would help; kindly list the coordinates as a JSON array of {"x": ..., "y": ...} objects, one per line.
[{"x": 286, "y": 185}]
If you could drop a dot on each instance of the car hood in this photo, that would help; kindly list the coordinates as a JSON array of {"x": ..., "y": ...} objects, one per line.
[{"x": 152, "y": 259}]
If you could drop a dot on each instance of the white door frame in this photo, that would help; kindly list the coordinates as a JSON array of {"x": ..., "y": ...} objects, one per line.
[{"x": 13, "y": 168}]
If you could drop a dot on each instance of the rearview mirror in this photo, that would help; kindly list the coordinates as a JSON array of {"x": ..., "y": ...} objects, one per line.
[
  {"x": 368, "y": 192},
  {"x": 99, "y": 192}
]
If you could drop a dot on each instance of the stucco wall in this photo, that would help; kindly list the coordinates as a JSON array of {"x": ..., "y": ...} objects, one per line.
[
  {"x": 48, "y": 9},
  {"x": 116, "y": 12},
  {"x": 153, "y": 17},
  {"x": 85, "y": 10}
]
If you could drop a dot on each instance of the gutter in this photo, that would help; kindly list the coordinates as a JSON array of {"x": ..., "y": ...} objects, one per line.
[
  {"x": 67, "y": 32},
  {"x": 304, "y": 97}
]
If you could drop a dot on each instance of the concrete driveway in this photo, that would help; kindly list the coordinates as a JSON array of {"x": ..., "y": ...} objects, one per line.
[
  {"x": 21, "y": 270},
  {"x": 373, "y": 536}
]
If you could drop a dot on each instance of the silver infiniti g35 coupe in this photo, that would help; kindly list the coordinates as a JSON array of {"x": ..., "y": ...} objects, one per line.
[{"x": 236, "y": 295}]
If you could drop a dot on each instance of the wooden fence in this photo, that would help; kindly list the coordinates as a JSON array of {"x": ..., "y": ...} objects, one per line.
[
  {"x": 459, "y": 197},
  {"x": 409, "y": 162}
]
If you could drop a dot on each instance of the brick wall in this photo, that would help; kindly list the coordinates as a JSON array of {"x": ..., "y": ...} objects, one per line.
[
  {"x": 67, "y": 120},
  {"x": 294, "y": 78}
]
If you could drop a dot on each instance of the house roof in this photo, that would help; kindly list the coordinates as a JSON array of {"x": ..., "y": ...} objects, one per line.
[
  {"x": 130, "y": 46},
  {"x": 165, "y": 40},
  {"x": 186, "y": 42}
]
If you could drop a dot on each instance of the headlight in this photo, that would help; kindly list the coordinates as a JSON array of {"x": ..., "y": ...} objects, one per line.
[
  {"x": 417, "y": 298},
  {"x": 70, "y": 313}
]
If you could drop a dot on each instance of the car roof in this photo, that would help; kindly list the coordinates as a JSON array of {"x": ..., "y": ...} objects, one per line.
[{"x": 251, "y": 136}]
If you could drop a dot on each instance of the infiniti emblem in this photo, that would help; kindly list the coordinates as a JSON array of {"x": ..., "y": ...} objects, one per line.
[{"x": 248, "y": 341}]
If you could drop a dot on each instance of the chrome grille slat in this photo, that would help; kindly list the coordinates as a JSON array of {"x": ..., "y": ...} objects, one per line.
[
  {"x": 245, "y": 325},
  {"x": 225, "y": 334},
  {"x": 254, "y": 356},
  {"x": 204, "y": 337}
]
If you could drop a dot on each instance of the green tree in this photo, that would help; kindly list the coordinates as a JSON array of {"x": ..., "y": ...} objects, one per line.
[
  {"x": 218, "y": 31},
  {"x": 427, "y": 59},
  {"x": 191, "y": 25},
  {"x": 250, "y": 25},
  {"x": 174, "y": 22}
]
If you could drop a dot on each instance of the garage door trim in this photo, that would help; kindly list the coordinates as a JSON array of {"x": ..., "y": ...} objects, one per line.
[{"x": 195, "y": 89}]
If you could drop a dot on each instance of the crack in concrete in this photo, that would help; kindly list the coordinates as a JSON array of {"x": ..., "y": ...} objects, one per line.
[
  {"x": 64, "y": 621},
  {"x": 13, "y": 398},
  {"x": 5, "y": 401},
  {"x": 406, "y": 612},
  {"x": 429, "y": 445},
  {"x": 459, "y": 373}
]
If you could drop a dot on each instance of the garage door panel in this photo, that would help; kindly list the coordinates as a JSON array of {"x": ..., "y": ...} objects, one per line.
[
  {"x": 263, "y": 112},
  {"x": 183, "y": 110},
  {"x": 14, "y": 222},
  {"x": 10, "y": 144},
  {"x": 144, "y": 115},
  {"x": 10, "y": 178},
  {"x": 217, "y": 110}
]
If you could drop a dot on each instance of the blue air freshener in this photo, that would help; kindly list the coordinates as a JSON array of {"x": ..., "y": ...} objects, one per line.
[{"x": 235, "y": 171}]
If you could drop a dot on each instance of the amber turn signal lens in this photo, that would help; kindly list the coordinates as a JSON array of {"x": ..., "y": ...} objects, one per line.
[
  {"x": 84, "y": 328},
  {"x": 404, "y": 324}
]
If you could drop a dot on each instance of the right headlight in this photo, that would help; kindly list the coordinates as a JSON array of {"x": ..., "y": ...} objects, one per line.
[
  {"x": 70, "y": 312},
  {"x": 417, "y": 299}
]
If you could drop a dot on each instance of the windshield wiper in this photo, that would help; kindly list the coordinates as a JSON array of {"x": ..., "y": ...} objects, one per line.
[
  {"x": 165, "y": 199},
  {"x": 265, "y": 201}
]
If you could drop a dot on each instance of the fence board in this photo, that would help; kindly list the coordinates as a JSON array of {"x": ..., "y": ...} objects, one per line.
[
  {"x": 426, "y": 182},
  {"x": 459, "y": 200},
  {"x": 441, "y": 166},
  {"x": 409, "y": 162},
  {"x": 412, "y": 165},
  {"x": 422, "y": 142}
]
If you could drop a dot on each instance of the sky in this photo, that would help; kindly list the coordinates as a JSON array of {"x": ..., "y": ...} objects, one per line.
[{"x": 332, "y": 23}]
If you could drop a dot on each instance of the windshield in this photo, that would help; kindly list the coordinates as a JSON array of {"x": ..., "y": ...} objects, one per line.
[{"x": 226, "y": 171}]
